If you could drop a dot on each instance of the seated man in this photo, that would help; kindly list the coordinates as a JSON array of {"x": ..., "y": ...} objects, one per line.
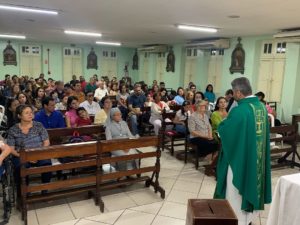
[
  {"x": 90, "y": 105},
  {"x": 135, "y": 102},
  {"x": 48, "y": 116}
]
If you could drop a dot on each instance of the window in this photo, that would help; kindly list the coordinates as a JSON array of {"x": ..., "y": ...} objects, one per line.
[
  {"x": 30, "y": 60},
  {"x": 72, "y": 62}
]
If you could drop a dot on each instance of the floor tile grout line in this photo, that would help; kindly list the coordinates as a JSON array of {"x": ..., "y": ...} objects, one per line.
[
  {"x": 96, "y": 221},
  {"x": 119, "y": 216},
  {"x": 37, "y": 219},
  {"x": 71, "y": 209}
]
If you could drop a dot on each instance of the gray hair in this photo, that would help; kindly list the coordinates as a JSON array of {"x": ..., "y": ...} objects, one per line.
[{"x": 242, "y": 84}]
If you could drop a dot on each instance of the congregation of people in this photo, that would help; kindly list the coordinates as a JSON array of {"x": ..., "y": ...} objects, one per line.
[{"x": 34, "y": 105}]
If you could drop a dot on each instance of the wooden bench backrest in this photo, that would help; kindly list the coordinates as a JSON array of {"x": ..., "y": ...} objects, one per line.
[
  {"x": 58, "y": 151},
  {"x": 56, "y": 135},
  {"x": 117, "y": 144}
]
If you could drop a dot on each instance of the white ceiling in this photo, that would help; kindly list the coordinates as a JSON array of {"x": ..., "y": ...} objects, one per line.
[{"x": 138, "y": 22}]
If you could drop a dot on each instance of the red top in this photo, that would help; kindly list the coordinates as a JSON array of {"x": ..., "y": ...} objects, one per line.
[{"x": 83, "y": 122}]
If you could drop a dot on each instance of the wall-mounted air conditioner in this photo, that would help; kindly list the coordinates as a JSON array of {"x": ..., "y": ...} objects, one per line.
[
  {"x": 154, "y": 49},
  {"x": 288, "y": 35},
  {"x": 210, "y": 44}
]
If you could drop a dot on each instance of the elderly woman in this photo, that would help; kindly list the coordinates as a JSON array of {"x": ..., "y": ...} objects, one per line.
[
  {"x": 28, "y": 134},
  {"x": 201, "y": 131},
  {"x": 118, "y": 129}
]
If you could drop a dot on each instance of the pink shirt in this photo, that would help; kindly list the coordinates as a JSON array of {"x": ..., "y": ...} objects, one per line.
[{"x": 72, "y": 115}]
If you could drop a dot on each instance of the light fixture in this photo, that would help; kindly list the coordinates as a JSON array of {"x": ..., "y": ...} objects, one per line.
[
  {"x": 12, "y": 36},
  {"x": 196, "y": 28},
  {"x": 27, "y": 9},
  {"x": 83, "y": 33},
  {"x": 108, "y": 43}
]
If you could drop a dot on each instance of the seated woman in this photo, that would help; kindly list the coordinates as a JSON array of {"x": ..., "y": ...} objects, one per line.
[
  {"x": 197, "y": 97},
  {"x": 103, "y": 114},
  {"x": 218, "y": 115},
  {"x": 209, "y": 93},
  {"x": 157, "y": 108},
  {"x": 179, "y": 99},
  {"x": 118, "y": 129},
  {"x": 71, "y": 114},
  {"x": 201, "y": 134},
  {"x": 28, "y": 134},
  {"x": 181, "y": 116},
  {"x": 10, "y": 111}
]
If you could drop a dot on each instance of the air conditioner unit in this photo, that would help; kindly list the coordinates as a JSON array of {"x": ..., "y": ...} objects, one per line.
[
  {"x": 288, "y": 36},
  {"x": 210, "y": 44},
  {"x": 154, "y": 49}
]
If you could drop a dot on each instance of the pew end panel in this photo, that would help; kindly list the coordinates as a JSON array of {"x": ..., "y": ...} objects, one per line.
[{"x": 111, "y": 180}]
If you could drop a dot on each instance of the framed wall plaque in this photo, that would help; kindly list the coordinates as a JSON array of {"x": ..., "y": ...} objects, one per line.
[{"x": 9, "y": 55}]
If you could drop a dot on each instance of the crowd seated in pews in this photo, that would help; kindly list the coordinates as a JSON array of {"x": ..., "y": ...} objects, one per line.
[{"x": 120, "y": 108}]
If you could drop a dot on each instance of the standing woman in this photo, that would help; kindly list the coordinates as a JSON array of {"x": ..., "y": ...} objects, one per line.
[
  {"x": 40, "y": 95},
  {"x": 157, "y": 108},
  {"x": 28, "y": 134},
  {"x": 71, "y": 114},
  {"x": 209, "y": 93},
  {"x": 218, "y": 115},
  {"x": 179, "y": 99}
]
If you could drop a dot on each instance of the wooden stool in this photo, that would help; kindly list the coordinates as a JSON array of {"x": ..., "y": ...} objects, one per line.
[{"x": 210, "y": 212}]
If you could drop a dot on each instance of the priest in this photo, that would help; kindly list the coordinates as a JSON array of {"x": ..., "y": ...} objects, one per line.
[{"x": 244, "y": 171}]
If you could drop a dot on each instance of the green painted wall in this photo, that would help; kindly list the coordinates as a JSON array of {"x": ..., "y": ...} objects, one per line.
[
  {"x": 124, "y": 55},
  {"x": 252, "y": 46}
]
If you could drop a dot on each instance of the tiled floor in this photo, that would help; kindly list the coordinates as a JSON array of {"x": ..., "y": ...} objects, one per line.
[{"x": 136, "y": 204}]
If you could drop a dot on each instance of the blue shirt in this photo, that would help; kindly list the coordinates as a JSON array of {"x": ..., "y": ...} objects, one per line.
[
  {"x": 179, "y": 100},
  {"x": 210, "y": 96},
  {"x": 137, "y": 101},
  {"x": 55, "y": 120}
]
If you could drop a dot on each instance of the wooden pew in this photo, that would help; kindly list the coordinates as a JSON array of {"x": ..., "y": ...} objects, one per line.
[
  {"x": 30, "y": 192},
  {"x": 57, "y": 135},
  {"x": 111, "y": 180},
  {"x": 286, "y": 143},
  {"x": 95, "y": 180}
]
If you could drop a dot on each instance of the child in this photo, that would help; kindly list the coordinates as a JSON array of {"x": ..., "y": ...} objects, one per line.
[{"x": 83, "y": 117}]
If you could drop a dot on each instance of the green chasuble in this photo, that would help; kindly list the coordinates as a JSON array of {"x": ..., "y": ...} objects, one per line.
[{"x": 246, "y": 148}]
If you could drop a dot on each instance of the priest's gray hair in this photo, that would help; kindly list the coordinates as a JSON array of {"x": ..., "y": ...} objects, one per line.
[{"x": 242, "y": 84}]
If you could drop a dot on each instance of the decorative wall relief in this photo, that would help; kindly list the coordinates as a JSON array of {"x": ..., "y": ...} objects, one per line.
[
  {"x": 170, "y": 61},
  {"x": 9, "y": 55},
  {"x": 92, "y": 62},
  {"x": 238, "y": 59},
  {"x": 135, "y": 61}
]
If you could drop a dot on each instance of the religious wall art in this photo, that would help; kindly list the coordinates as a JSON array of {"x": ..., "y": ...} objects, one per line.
[
  {"x": 135, "y": 61},
  {"x": 170, "y": 61},
  {"x": 92, "y": 62},
  {"x": 238, "y": 59},
  {"x": 9, "y": 55}
]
